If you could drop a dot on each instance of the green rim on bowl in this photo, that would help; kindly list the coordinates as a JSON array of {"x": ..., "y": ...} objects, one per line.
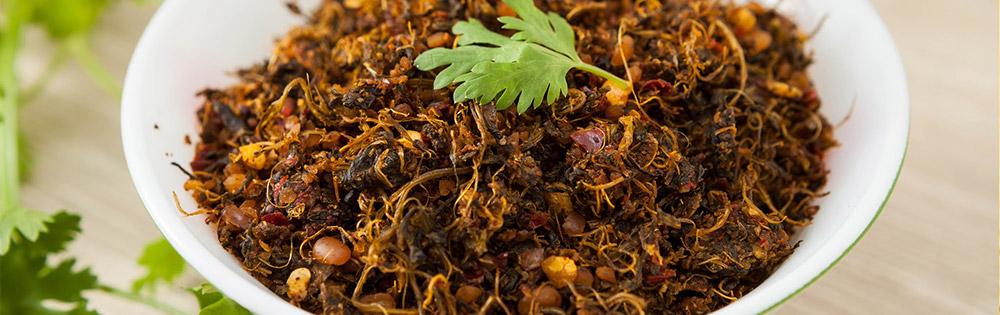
[{"x": 861, "y": 236}]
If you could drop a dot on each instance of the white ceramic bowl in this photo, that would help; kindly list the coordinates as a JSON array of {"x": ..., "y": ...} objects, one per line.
[{"x": 193, "y": 44}]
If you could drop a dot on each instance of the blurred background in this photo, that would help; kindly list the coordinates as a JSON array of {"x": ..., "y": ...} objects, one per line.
[{"x": 932, "y": 251}]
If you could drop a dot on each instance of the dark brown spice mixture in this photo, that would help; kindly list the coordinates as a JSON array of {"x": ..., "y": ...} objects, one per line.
[{"x": 346, "y": 184}]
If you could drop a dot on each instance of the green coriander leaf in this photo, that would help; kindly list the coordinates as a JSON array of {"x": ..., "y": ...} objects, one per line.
[
  {"x": 462, "y": 59},
  {"x": 206, "y": 294},
  {"x": 527, "y": 68},
  {"x": 212, "y": 302},
  {"x": 65, "y": 18},
  {"x": 26, "y": 279},
  {"x": 64, "y": 284},
  {"x": 16, "y": 13},
  {"x": 473, "y": 32},
  {"x": 61, "y": 230},
  {"x": 28, "y": 223},
  {"x": 81, "y": 309},
  {"x": 502, "y": 80},
  {"x": 225, "y": 306},
  {"x": 162, "y": 263},
  {"x": 549, "y": 30}
]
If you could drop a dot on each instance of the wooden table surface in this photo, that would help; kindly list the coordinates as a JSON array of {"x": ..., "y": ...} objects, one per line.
[{"x": 933, "y": 251}]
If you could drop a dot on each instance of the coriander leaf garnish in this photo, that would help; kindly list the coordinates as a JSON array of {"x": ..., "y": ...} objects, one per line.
[
  {"x": 211, "y": 302},
  {"x": 549, "y": 30},
  {"x": 28, "y": 279},
  {"x": 528, "y": 67},
  {"x": 29, "y": 223},
  {"x": 162, "y": 263}
]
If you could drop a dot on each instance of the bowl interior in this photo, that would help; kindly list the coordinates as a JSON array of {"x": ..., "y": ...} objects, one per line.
[{"x": 191, "y": 45}]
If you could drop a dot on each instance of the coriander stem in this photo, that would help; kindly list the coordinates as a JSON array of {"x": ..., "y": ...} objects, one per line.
[
  {"x": 55, "y": 63},
  {"x": 604, "y": 74},
  {"x": 80, "y": 49},
  {"x": 9, "y": 199},
  {"x": 156, "y": 304}
]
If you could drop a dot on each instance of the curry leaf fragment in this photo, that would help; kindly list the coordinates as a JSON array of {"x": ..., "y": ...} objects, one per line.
[{"x": 529, "y": 67}]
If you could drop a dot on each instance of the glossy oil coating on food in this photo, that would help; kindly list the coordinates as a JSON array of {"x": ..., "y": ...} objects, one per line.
[{"x": 346, "y": 184}]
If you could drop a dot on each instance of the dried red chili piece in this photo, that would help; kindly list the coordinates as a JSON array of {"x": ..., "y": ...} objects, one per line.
[{"x": 276, "y": 218}]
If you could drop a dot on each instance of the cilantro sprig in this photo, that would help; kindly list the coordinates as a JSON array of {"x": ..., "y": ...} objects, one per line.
[
  {"x": 27, "y": 279},
  {"x": 68, "y": 23},
  {"x": 162, "y": 263},
  {"x": 212, "y": 302},
  {"x": 529, "y": 67}
]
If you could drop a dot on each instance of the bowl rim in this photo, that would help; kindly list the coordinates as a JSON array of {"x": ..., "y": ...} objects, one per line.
[
  {"x": 900, "y": 74},
  {"x": 255, "y": 298},
  {"x": 864, "y": 233},
  {"x": 260, "y": 300}
]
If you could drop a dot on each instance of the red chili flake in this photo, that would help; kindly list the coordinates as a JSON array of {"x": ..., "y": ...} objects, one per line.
[
  {"x": 655, "y": 279},
  {"x": 658, "y": 85},
  {"x": 277, "y": 188},
  {"x": 474, "y": 275},
  {"x": 656, "y": 260},
  {"x": 288, "y": 108},
  {"x": 501, "y": 260},
  {"x": 590, "y": 139},
  {"x": 686, "y": 187},
  {"x": 810, "y": 95},
  {"x": 202, "y": 160},
  {"x": 276, "y": 218},
  {"x": 660, "y": 278},
  {"x": 538, "y": 219},
  {"x": 811, "y": 98},
  {"x": 715, "y": 46}
]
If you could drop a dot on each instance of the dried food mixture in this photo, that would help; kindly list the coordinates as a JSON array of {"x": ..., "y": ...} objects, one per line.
[{"x": 347, "y": 184}]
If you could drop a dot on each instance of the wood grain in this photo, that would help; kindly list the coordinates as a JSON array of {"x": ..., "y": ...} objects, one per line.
[{"x": 933, "y": 251}]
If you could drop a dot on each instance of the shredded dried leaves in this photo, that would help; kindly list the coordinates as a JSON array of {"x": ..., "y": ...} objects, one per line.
[{"x": 346, "y": 183}]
